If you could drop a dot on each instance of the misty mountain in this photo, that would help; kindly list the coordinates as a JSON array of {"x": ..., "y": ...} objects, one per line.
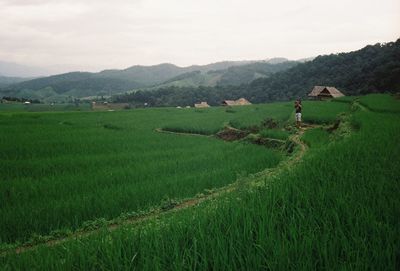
[
  {"x": 234, "y": 75},
  {"x": 372, "y": 69},
  {"x": 109, "y": 82},
  {"x": 158, "y": 74},
  {"x": 6, "y": 80},
  {"x": 74, "y": 84}
]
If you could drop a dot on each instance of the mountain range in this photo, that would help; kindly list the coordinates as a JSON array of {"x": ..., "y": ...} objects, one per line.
[
  {"x": 374, "y": 68},
  {"x": 110, "y": 82}
]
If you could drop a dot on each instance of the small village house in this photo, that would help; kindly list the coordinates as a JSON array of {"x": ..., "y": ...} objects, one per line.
[
  {"x": 241, "y": 101},
  {"x": 324, "y": 92},
  {"x": 202, "y": 105}
]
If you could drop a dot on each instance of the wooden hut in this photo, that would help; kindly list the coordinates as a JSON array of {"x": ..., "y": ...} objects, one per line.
[{"x": 324, "y": 92}]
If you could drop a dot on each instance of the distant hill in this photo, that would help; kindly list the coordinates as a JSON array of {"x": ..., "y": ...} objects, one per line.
[
  {"x": 109, "y": 82},
  {"x": 158, "y": 74},
  {"x": 7, "y": 80},
  {"x": 374, "y": 68},
  {"x": 231, "y": 76},
  {"x": 248, "y": 73},
  {"x": 64, "y": 86}
]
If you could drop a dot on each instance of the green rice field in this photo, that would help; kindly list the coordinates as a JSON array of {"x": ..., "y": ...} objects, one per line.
[{"x": 336, "y": 208}]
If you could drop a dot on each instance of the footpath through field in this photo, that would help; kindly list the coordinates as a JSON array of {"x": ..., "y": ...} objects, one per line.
[{"x": 258, "y": 179}]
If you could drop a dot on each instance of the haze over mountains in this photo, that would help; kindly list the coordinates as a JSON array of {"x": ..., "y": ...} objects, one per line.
[
  {"x": 108, "y": 82},
  {"x": 374, "y": 68}
]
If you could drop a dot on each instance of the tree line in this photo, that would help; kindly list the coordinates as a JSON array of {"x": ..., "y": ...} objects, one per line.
[{"x": 372, "y": 69}]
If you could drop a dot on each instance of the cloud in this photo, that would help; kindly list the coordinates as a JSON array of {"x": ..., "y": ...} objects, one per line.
[{"x": 104, "y": 34}]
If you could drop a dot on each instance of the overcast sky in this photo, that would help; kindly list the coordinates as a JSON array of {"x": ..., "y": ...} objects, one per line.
[{"x": 99, "y": 34}]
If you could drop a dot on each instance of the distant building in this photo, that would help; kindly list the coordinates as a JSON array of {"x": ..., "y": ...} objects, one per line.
[
  {"x": 324, "y": 92},
  {"x": 201, "y": 105},
  {"x": 27, "y": 102},
  {"x": 241, "y": 101}
]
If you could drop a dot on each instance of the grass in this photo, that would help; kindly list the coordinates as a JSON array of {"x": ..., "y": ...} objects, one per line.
[
  {"x": 380, "y": 103},
  {"x": 345, "y": 99},
  {"x": 209, "y": 121},
  {"x": 59, "y": 170},
  {"x": 247, "y": 117},
  {"x": 18, "y": 107},
  {"x": 337, "y": 210},
  {"x": 275, "y": 133},
  {"x": 317, "y": 137},
  {"x": 322, "y": 112}
]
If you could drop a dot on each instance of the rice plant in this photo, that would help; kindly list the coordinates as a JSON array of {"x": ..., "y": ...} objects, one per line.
[{"x": 336, "y": 210}]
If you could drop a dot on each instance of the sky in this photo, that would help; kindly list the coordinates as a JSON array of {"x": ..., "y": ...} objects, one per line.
[{"x": 102, "y": 34}]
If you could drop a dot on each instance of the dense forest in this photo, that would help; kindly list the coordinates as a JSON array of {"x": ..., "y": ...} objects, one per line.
[{"x": 375, "y": 68}]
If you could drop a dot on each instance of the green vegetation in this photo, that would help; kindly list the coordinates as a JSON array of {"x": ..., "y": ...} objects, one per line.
[
  {"x": 336, "y": 210},
  {"x": 345, "y": 99},
  {"x": 232, "y": 76},
  {"x": 372, "y": 69},
  {"x": 275, "y": 133},
  {"x": 208, "y": 121},
  {"x": 19, "y": 107},
  {"x": 381, "y": 103},
  {"x": 59, "y": 170},
  {"x": 255, "y": 115},
  {"x": 322, "y": 112},
  {"x": 375, "y": 68},
  {"x": 63, "y": 87},
  {"x": 316, "y": 138}
]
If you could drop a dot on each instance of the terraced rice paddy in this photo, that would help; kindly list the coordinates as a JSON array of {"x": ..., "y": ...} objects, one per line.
[
  {"x": 59, "y": 170},
  {"x": 336, "y": 209}
]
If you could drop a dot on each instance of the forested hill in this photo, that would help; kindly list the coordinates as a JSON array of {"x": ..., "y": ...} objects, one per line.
[
  {"x": 231, "y": 76},
  {"x": 82, "y": 84},
  {"x": 375, "y": 68}
]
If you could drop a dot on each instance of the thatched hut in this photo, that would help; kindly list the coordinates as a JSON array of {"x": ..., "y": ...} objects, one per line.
[
  {"x": 324, "y": 92},
  {"x": 202, "y": 105},
  {"x": 241, "y": 101}
]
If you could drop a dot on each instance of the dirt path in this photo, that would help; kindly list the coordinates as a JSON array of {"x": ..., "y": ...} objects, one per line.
[{"x": 258, "y": 179}]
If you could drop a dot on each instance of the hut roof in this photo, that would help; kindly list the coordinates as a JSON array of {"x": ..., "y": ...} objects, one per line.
[
  {"x": 202, "y": 105},
  {"x": 241, "y": 101},
  {"x": 321, "y": 90},
  {"x": 229, "y": 102}
]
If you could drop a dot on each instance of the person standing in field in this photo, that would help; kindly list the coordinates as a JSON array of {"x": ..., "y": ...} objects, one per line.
[{"x": 297, "y": 107}]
